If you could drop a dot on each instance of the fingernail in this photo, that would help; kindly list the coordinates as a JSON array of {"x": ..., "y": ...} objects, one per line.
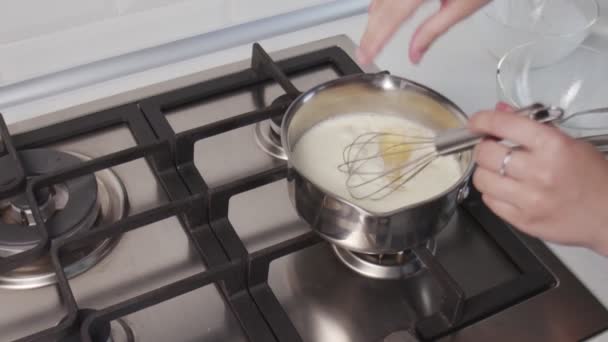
[
  {"x": 416, "y": 55},
  {"x": 503, "y": 107}
]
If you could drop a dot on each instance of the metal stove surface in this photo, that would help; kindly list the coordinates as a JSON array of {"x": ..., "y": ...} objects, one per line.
[
  {"x": 325, "y": 300},
  {"x": 142, "y": 260}
]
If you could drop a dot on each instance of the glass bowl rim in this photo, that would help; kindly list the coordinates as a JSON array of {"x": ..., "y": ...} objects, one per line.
[
  {"x": 499, "y": 68},
  {"x": 589, "y": 23}
]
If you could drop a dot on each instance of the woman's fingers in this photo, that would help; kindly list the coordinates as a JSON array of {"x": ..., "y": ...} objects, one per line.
[
  {"x": 502, "y": 209},
  {"x": 504, "y": 107},
  {"x": 515, "y": 128},
  {"x": 490, "y": 155},
  {"x": 450, "y": 13},
  {"x": 373, "y": 5},
  {"x": 504, "y": 188},
  {"x": 384, "y": 19}
]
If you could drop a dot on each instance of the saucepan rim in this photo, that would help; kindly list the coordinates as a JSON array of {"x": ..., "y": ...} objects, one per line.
[{"x": 372, "y": 79}]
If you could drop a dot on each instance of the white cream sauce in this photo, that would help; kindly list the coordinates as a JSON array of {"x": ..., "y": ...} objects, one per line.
[{"x": 319, "y": 152}]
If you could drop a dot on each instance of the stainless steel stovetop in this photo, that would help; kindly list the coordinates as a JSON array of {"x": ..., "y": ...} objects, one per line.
[{"x": 202, "y": 243}]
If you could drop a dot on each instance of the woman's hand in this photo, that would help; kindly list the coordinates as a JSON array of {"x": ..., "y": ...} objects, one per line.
[
  {"x": 553, "y": 187},
  {"x": 386, "y": 16}
]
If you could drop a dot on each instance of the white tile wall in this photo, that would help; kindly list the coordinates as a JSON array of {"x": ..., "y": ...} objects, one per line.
[
  {"x": 39, "y": 36},
  {"x": 24, "y": 19},
  {"x": 132, "y": 6},
  {"x": 242, "y": 11},
  {"x": 109, "y": 36}
]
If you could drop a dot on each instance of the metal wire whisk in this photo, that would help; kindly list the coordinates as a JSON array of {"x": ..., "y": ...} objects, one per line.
[{"x": 382, "y": 159}]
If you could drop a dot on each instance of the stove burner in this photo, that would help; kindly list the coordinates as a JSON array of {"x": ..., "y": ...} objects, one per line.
[
  {"x": 109, "y": 204},
  {"x": 101, "y": 333},
  {"x": 115, "y": 331},
  {"x": 77, "y": 214},
  {"x": 268, "y": 132},
  {"x": 268, "y": 140},
  {"x": 18, "y": 211},
  {"x": 382, "y": 266}
]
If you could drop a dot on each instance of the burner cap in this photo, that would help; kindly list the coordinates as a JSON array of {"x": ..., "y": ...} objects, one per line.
[
  {"x": 111, "y": 205},
  {"x": 42, "y": 196},
  {"x": 382, "y": 266},
  {"x": 268, "y": 132},
  {"x": 268, "y": 140},
  {"x": 61, "y": 218},
  {"x": 277, "y": 120},
  {"x": 17, "y": 209}
]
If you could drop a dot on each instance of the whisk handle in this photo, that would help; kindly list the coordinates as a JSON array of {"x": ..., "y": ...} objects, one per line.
[
  {"x": 456, "y": 140},
  {"x": 462, "y": 139}
]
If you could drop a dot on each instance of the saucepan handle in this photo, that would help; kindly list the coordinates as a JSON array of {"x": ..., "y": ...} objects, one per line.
[{"x": 462, "y": 139}]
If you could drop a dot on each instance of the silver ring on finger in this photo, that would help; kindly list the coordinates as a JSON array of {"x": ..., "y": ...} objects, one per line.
[{"x": 503, "y": 166}]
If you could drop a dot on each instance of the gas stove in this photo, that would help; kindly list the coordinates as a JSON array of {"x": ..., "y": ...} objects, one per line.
[{"x": 167, "y": 218}]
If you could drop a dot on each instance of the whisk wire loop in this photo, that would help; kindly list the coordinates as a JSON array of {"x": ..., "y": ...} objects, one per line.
[{"x": 389, "y": 160}]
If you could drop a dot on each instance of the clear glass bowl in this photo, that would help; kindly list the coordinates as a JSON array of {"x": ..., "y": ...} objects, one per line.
[
  {"x": 559, "y": 25},
  {"x": 575, "y": 83}
]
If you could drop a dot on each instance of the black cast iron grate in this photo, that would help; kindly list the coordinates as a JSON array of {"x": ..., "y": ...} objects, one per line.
[
  {"x": 241, "y": 277},
  {"x": 457, "y": 311}
]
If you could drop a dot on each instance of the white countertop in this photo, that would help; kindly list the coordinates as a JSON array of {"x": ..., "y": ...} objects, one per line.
[
  {"x": 457, "y": 66},
  {"x": 66, "y": 33}
]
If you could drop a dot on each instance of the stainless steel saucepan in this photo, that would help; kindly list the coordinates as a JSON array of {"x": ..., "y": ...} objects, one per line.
[{"x": 342, "y": 222}]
